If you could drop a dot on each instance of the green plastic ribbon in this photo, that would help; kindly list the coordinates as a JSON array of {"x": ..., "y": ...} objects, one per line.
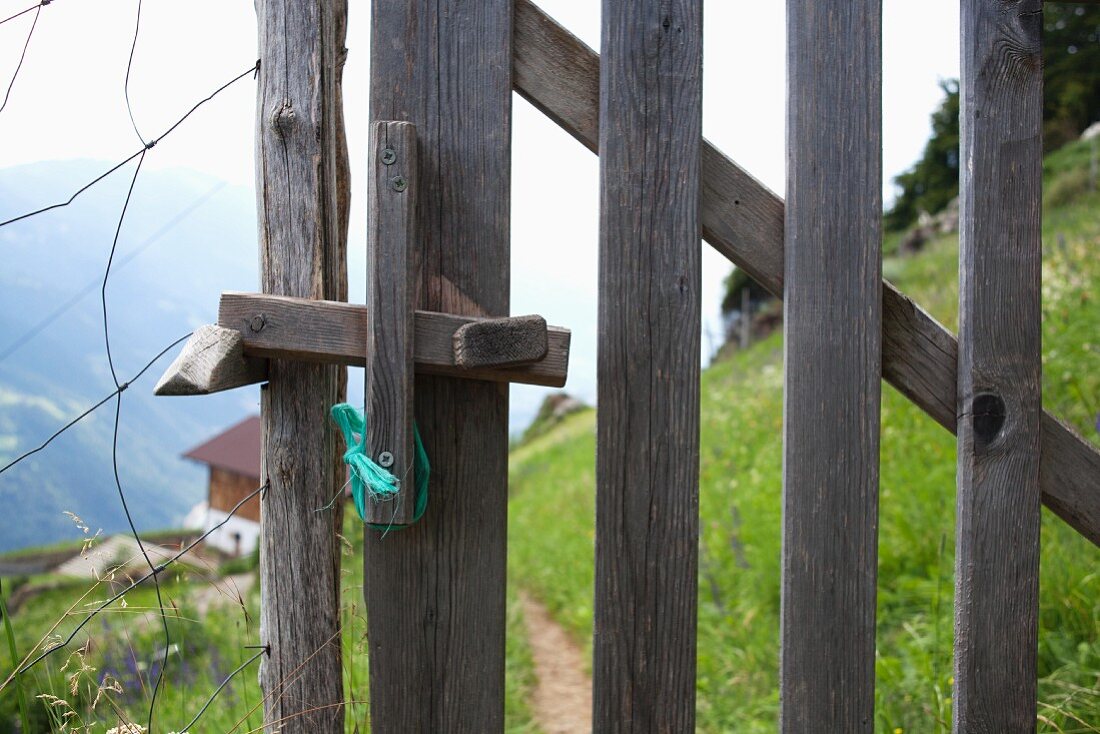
[{"x": 368, "y": 479}]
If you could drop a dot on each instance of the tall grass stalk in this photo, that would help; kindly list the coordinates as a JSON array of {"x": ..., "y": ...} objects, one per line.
[{"x": 24, "y": 713}]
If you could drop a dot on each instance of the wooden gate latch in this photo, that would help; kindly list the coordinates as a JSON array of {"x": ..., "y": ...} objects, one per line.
[{"x": 388, "y": 335}]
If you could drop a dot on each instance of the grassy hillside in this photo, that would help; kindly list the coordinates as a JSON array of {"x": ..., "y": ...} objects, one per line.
[
  {"x": 185, "y": 238},
  {"x": 551, "y": 512},
  {"x": 105, "y": 676}
]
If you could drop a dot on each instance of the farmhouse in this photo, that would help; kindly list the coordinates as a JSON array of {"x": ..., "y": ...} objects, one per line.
[{"x": 233, "y": 457}]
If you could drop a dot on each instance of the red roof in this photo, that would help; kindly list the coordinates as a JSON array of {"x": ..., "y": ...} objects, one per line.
[{"x": 236, "y": 449}]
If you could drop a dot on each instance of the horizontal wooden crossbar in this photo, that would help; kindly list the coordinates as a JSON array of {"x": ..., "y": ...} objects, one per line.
[
  {"x": 744, "y": 221},
  {"x": 333, "y": 332}
]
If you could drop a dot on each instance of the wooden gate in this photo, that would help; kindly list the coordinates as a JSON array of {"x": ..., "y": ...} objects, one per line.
[{"x": 439, "y": 346}]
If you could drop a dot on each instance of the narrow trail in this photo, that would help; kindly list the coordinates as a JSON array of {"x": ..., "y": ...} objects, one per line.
[{"x": 562, "y": 700}]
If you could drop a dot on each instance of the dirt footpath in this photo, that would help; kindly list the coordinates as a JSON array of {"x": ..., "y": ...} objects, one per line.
[{"x": 562, "y": 700}]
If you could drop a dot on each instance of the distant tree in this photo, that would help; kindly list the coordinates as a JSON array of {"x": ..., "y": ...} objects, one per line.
[
  {"x": 1071, "y": 72},
  {"x": 736, "y": 282},
  {"x": 1071, "y": 101},
  {"x": 934, "y": 181}
]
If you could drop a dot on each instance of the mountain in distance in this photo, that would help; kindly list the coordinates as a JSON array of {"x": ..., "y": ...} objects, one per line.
[{"x": 186, "y": 237}]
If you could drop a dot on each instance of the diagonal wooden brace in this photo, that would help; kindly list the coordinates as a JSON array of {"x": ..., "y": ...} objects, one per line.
[{"x": 744, "y": 221}]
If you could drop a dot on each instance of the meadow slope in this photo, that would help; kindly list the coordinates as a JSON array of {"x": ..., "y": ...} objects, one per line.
[
  {"x": 552, "y": 498},
  {"x": 105, "y": 676}
]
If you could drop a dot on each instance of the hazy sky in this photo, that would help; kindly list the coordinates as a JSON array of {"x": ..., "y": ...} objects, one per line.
[{"x": 68, "y": 103}]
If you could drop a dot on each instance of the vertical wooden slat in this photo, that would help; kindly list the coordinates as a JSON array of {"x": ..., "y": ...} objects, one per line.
[
  {"x": 999, "y": 402},
  {"x": 302, "y": 201},
  {"x": 559, "y": 75},
  {"x": 391, "y": 293},
  {"x": 435, "y": 591},
  {"x": 832, "y": 325},
  {"x": 648, "y": 374}
]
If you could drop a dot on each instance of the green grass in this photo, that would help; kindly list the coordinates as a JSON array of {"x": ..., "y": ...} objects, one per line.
[
  {"x": 105, "y": 676},
  {"x": 120, "y": 647},
  {"x": 552, "y": 499},
  {"x": 551, "y": 537},
  {"x": 20, "y": 694}
]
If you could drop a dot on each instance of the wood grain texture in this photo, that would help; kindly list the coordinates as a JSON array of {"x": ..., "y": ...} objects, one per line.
[
  {"x": 334, "y": 333},
  {"x": 999, "y": 376},
  {"x": 833, "y": 276},
  {"x": 743, "y": 220},
  {"x": 501, "y": 342},
  {"x": 391, "y": 295},
  {"x": 435, "y": 591},
  {"x": 338, "y": 269},
  {"x": 302, "y": 203},
  {"x": 647, "y": 456},
  {"x": 212, "y": 360}
]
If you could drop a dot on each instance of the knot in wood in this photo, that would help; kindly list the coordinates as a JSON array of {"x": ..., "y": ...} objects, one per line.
[
  {"x": 987, "y": 417},
  {"x": 283, "y": 118}
]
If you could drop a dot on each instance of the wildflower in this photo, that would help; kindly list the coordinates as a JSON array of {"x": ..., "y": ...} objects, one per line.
[{"x": 127, "y": 729}]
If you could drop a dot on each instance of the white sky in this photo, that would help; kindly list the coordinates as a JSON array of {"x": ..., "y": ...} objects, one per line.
[{"x": 68, "y": 103}]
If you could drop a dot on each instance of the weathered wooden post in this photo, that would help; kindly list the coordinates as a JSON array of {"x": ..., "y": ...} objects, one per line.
[
  {"x": 999, "y": 402},
  {"x": 833, "y": 279},
  {"x": 647, "y": 456},
  {"x": 744, "y": 222},
  {"x": 435, "y": 590},
  {"x": 302, "y": 196}
]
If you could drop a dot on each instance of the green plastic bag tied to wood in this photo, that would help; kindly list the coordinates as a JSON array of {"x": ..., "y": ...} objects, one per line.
[{"x": 368, "y": 479}]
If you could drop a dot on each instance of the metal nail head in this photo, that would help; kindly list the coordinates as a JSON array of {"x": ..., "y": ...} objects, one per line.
[
  {"x": 399, "y": 183},
  {"x": 389, "y": 157},
  {"x": 258, "y": 323},
  {"x": 385, "y": 459}
]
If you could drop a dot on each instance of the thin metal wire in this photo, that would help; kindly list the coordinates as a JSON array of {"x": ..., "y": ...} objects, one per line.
[
  {"x": 279, "y": 689},
  {"x": 26, "y": 44},
  {"x": 114, "y": 446},
  {"x": 110, "y": 259},
  {"x": 79, "y": 191},
  {"x": 148, "y": 561},
  {"x": 24, "y": 11},
  {"x": 136, "y": 153},
  {"x": 254, "y": 70},
  {"x": 120, "y": 387},
  {"x": 126, "y": 84},
  {"x": 92, "y": 409},
  {"x": 225, "y": 682},
  {"x": 94, "y": 283},
  {"x": 162, "y": 567}
]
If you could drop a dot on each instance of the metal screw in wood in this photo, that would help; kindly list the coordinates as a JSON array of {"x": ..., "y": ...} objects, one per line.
[
  {"x": 389, "y": 157},
  {"x": 385, "y": 459},
  {"x": 399, "y": 183}
]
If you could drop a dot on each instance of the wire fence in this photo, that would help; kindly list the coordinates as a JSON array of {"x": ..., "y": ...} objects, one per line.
[
  {"x": 37, "y": 10},
  {"x": 155, "y": 568}
]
